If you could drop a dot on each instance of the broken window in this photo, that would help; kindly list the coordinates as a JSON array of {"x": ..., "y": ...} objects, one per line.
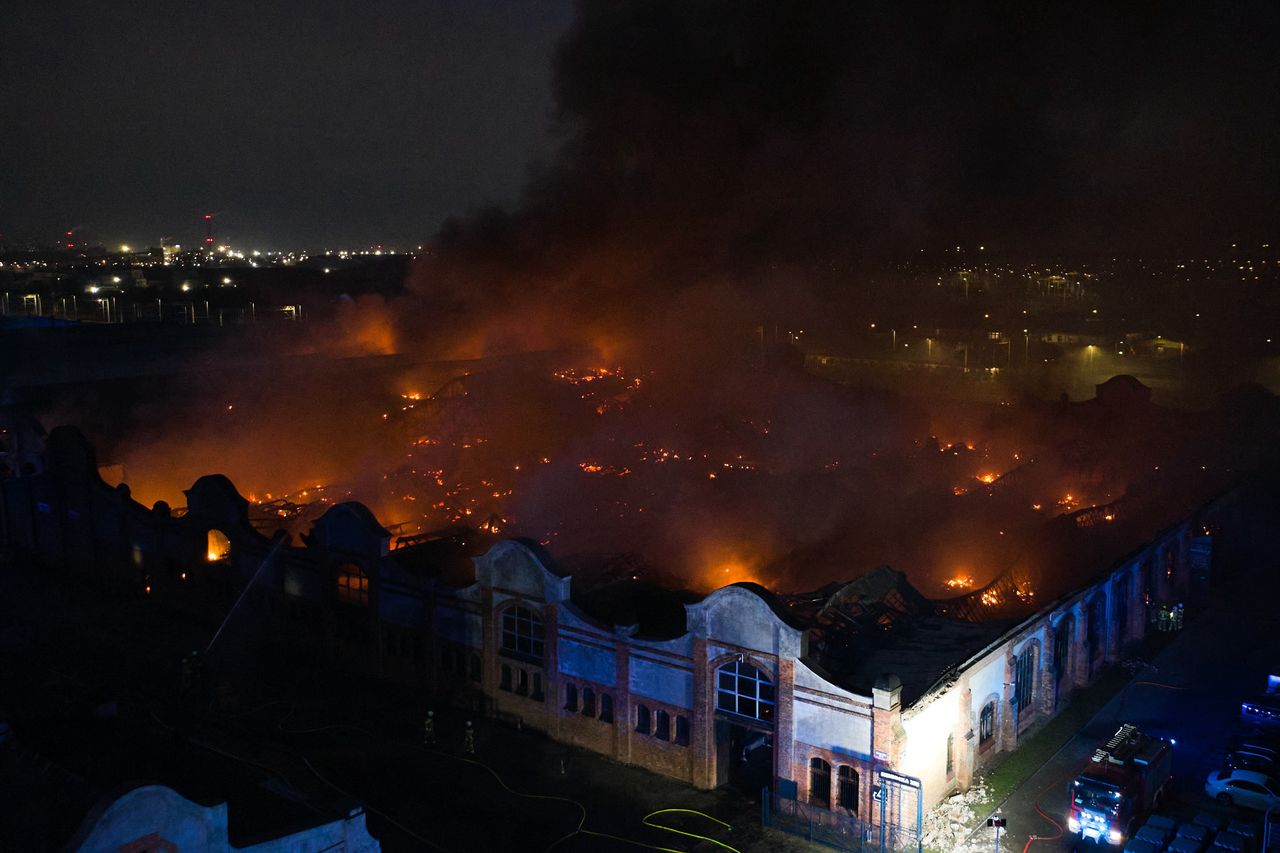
[
  {"x": 588, "y": 702},
  {"x": 353, "y": 585},
  {"x": 663, "y": 725},
  {"x": 218, "y": 546},
  {"x": 606, "y": 708},
  {"x": 987, "y": 723}
]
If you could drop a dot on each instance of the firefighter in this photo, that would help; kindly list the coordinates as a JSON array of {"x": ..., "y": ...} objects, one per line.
[
  {"x": 429, "y": 729},
  {"x": 469, "y": 739}
]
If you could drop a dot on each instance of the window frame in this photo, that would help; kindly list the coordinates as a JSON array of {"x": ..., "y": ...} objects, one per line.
[
  {"x": 1024, "y": 679},
  {"x": 759, "y": 704},
  {"x": 987, "y": 723},
  {"x": 644, "y": 719},
  {"x": 847, "y": 782},
  {"x": 353, "y": 593},
  {"x": 819, "y": 768},
  {"x": 522, "y": 634}
]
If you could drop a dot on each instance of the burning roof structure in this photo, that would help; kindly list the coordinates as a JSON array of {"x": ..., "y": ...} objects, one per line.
[{"x": 767, "y": 474}]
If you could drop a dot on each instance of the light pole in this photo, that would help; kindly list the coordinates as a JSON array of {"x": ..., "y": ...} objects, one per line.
[{"x": 997, "y": 821}]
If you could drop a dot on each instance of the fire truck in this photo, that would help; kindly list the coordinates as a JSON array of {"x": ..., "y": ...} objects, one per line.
[{"x": 1124, "y": 779}]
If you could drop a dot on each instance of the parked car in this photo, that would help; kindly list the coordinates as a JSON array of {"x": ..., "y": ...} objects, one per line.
[
  {"x": 1259, "y": 744},
  {"x": 1247, "y": 788},
  {"x": 1243, "y": 759}
]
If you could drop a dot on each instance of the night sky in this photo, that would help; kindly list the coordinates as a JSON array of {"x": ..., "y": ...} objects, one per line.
[
  {"x": 301, "y": 124},
  {"x": 1022, "y": 126}
]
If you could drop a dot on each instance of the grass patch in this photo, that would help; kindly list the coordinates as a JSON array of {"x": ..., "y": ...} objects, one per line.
[{"x": 1018, "y": 765}]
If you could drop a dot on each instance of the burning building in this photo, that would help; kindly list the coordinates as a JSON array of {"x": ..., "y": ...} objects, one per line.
[{"x": 816, "y": 694}]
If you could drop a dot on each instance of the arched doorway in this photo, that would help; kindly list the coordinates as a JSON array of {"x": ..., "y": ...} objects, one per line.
[{"x": 745, "y": 700}]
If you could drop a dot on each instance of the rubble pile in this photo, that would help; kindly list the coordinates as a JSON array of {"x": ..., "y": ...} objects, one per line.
[{"x": 947, "y": 825}]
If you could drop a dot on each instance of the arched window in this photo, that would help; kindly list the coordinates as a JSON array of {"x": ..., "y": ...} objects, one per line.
[
  {"x": 606, "y": 708},
  {"x": 847, "y": 788},
  {"x": 1095, "y": 630},
  {"x": 522, "y": 634},
  {"x": 1062, "y": 645},
  {"x": 819, "y": 782},
  {"x": 987, "y": 723},
  {"x": 588, "y": 702},
  {"x": 1122, "y": 608},
  {"x": 642, "y": 720},
  {"x": 682, "y": 730},
  {"x": 662, "y": 729},
  {"x": 217, "y": 546},
  {"x": 743, "y": 689},
  {"x": 1024, "y": 678},
  {"x": 571, "y": 697},
  {"x": 353, "y": 585}
]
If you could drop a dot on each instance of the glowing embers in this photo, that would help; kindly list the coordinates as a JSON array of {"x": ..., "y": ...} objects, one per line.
[
  {"x": 988, "y": 477},
  {"x": 609, "y": 387},
  {"x": 960, "y": 582},
  {"x": 218, "y": 546},
  {"x": 991, "y": 598},
  {"x": 600, "y": 470}
]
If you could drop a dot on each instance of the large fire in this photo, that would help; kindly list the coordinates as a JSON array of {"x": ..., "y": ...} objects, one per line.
[{"x": 781, "y": 479}]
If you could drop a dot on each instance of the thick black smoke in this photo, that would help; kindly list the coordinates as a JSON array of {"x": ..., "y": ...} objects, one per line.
[{"x": 732, "y": 140}]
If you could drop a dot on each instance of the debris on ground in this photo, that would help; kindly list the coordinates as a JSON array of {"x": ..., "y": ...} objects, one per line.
[{"x": 948, "y": 824}]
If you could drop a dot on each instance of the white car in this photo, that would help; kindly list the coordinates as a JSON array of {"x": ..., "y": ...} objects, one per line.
[{"x": 1246, "y": 788}]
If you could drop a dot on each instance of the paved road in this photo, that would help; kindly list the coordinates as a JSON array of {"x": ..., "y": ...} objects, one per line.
[{"x": 1191, "y": 693}]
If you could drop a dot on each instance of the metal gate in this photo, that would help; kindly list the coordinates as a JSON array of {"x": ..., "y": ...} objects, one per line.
[
  {"x": 817, "y": 823},
  {"x": 901, "y": 812}
]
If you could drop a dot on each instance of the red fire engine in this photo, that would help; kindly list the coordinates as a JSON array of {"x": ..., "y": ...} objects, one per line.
[{"x": 1124, "y": 779}]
